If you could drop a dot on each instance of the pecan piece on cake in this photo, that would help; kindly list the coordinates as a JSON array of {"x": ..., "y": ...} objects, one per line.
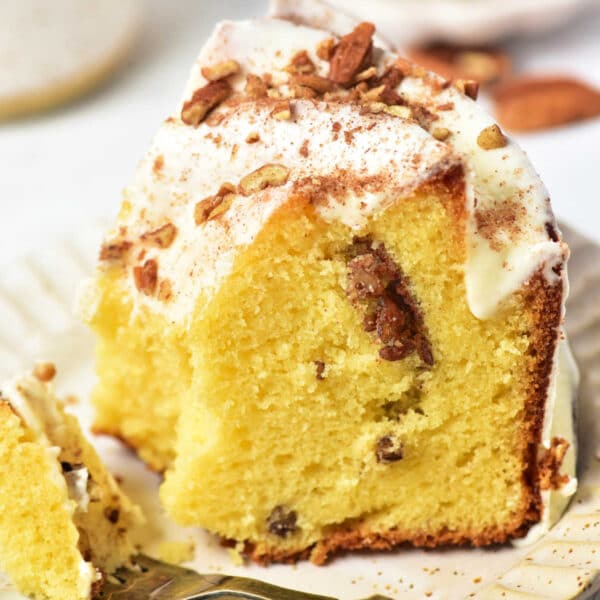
[
  {"x": 203, "y": 101},
  {"x": 282, "y": 521},
  {"x": 271, "y": 175},
  {"x": 352, "y": 54}
]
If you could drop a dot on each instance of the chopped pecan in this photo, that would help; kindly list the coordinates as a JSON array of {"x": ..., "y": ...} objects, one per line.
[
  {"x": 265, "y": 176},
  {"x": 146, "y": 276},
  {"x": 203, "y": 101},
  {"x": 390, "y": 80},
  {"x": 325, "y": 48},
  {"x": 377, "y": 283},
  {"x": 440, "y": 133},
  {"x": 399, "y": 110},
  {"x": 352, "y": 54},
  {"x": 211, "y": 207},
  {"x": 320, "y": 365},
  {"x": 389, "y": 449},
  {"x": 114, "y": 250},
  {"x": 468, "y": 87},
  {"x": 423, "y": 116},
  {"x": 491, "y": 138},
  {"x": 366, "y": 74},
  {"x": 282, "y": 111},
  {"x": 301, "y": 63},
  {"x": 165, "y": 290},
  {"x": 314, "y": 82},
  {"x": 255, "y": 86},
  {"x": 253, "y": 137},
  {"x": 221, "y": 70},
  {"x": 373, "y": 94},
  {"x": 550, "y": 463},
  {"x": 282, "y": 521},
  {"x": 375, "y": 107},
  {"x": 162, "y": 237},
  {"x": 44, "y": 371},
  {"x": 301, "y": 91}
]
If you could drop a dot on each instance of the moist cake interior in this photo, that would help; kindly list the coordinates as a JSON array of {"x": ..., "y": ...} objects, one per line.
[{"x": 281, "y": 372}]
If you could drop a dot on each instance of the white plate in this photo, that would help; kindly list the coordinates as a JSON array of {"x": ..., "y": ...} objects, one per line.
[
  {"x": 402, "y": 22},
  {"x": 36, "y": 323}
]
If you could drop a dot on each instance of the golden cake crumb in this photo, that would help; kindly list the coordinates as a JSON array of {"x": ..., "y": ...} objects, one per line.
[{"x": 175, "y": 552}]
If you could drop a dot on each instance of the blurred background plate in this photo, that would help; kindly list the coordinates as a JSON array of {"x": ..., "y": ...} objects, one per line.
[
  {"x": 53, "y": 51},
  {"x": 402, "y": 22}
]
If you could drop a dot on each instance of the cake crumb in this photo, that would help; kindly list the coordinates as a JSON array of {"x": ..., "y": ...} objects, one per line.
[
  {"x": 175, "y": 552},
  {"x": 236, "y": 556}
]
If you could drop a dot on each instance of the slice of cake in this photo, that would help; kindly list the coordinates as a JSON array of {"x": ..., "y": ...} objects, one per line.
[
  {"x": 333, "y": 300},
  {"x": 64, "y": 522}
]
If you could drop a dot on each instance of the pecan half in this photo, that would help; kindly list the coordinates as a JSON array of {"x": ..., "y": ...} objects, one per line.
[
  {"x": 531, "y": 102},
  {"x": 352, "y": 54},
  {"x": 203, "y": 101}
]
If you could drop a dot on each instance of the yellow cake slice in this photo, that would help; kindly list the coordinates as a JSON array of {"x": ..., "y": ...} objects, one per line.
[
  {"x": 64, "y": 522},
  {"x": 333, "y": 300}
]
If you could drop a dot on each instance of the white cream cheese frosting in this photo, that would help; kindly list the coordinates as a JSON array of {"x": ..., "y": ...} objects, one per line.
[
  {"x": 36, "y": 405},
  {"x": 187, "y": 164},
  {"x": 494, "y": 177}
]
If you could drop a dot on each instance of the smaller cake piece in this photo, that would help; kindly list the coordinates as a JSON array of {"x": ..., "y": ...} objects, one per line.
[{"x": 64, "y": 522}]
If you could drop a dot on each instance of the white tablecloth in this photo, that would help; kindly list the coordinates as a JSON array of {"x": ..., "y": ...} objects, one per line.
[{"x": 66, "y": 168}]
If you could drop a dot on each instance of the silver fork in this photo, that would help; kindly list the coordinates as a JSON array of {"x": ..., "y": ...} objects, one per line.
[{"x": 151, "y": 579}]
